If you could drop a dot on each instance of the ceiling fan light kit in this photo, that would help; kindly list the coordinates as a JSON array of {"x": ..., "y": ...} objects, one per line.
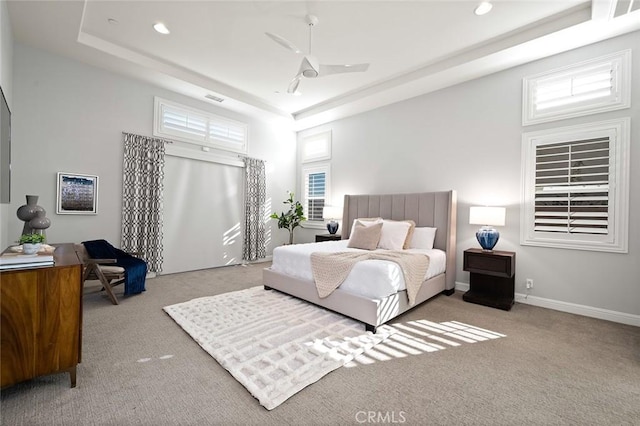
[{"x": 310, "y": 67}]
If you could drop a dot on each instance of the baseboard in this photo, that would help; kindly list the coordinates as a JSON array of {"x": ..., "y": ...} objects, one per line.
[{"x": 572, "y": 308}]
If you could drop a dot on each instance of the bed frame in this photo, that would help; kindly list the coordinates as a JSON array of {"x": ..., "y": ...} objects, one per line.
[{"x": 434, "y": 209}]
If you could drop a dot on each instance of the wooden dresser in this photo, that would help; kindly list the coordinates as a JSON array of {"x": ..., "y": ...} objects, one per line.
[{"x": 41, "y": 319}]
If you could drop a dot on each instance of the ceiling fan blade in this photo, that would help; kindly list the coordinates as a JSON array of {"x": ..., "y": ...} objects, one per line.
[
  {"x": 293, "y": 86},
  {"x": 338, "y": 69},
  {"x": 284, "y": 42}
]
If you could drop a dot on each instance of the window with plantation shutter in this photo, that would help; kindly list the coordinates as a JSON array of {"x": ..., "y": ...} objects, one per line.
[
  {"x": 594, "y": 86},
  {"x": 572, "y": 187},
  {"x": 184, "y": 122},
  {"x": 315, "y": 184},
  {"x": 175, "y": 121},
  {"x": 575, "y": 187}
]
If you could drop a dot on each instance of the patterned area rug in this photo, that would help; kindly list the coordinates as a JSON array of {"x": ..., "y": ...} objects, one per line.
[{"x": 274, "y": 344}]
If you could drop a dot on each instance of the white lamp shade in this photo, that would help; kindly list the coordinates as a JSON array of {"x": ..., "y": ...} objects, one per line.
[
  {"x": 494, "y": 216},
  {"x": 332, "y": 212}
]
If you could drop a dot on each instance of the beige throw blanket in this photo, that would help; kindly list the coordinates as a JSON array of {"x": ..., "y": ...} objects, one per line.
[{"x": 331, "y": 269}]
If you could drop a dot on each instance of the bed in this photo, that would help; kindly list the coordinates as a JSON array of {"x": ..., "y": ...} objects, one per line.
[{"x": 428, "y": 209}]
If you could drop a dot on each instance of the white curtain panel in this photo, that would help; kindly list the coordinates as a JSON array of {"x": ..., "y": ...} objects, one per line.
[{"x": 142, "y": 186}]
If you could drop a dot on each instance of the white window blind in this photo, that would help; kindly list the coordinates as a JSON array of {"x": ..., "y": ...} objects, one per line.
[
  {"x": 315, "y": 191},
  {"x": 175, "y": 121},
  {"x": 575, "y": 188},
  {"x": 594, "y": 86}
]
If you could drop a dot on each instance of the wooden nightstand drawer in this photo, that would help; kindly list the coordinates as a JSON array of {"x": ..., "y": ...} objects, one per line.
[
  {"x": 328, "y": 237},
  {"x": 496, "y": 263}
]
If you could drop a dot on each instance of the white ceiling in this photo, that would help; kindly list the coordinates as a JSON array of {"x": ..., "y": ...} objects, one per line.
[{"x": 219, "y": 47}]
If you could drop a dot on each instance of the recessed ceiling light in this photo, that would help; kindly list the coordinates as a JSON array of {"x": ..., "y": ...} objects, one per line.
[
  {"x": 483, "y": 8},
  {"x": 161, "y": 28},
  {"x": 296, "y": 93}
]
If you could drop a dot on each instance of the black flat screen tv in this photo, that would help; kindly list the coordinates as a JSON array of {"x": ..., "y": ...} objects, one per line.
[{"x": 5, "y": 151}]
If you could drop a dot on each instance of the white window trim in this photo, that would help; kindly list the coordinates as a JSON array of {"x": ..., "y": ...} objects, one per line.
[
  {"x": 617, "y": 239},
  {"x": 314, "y": 168},
  {"x": 320, "y": 156},
  {"x": 621, "y": 62},
  {"x": 160, "y": 131}
]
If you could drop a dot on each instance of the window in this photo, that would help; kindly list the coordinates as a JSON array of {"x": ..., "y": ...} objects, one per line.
[
  {"x": 175, "y": 121},
  {"x": 315, "y": 189},
  {"x": 315, "y": 184},
  {"x": 594, "y": 86},
  {"x": 576, "y": 187},
  {"x": 316, "y": 147}
]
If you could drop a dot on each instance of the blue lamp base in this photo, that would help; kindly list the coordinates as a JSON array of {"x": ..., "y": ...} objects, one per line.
[
  {"x": 487, "y": 237},
  {"x": 332, "y": 227}
]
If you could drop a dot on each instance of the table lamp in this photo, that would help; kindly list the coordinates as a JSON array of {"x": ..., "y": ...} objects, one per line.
[
  {"x": 488, "y": 217},
  {"x": 332, "y": 213}
]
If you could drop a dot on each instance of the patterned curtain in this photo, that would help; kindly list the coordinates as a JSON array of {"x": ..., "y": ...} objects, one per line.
[
  {"x": 255, "y": 189},
  {"x": 142, "y": 186}
]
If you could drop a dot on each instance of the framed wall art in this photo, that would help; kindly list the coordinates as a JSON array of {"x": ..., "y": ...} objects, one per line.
[{"x": 77, "y": 194}]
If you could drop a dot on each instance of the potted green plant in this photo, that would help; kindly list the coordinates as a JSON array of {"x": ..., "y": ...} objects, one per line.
[
  {"x": 292, "y": 218},
  {"x": 31, "y": 243}
]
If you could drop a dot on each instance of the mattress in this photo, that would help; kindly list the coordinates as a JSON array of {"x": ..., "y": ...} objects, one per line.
[{"x": 375, "y": 279}]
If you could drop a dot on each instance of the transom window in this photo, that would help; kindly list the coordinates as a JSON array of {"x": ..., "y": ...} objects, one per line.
[
  {"x": 175, "y": 121},
  {"x": 589, "y": 87}
]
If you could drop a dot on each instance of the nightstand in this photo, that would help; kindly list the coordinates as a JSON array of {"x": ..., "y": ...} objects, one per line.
[
  {"x": 491, "y": 277},
  {"x": 328, "y": 237}
]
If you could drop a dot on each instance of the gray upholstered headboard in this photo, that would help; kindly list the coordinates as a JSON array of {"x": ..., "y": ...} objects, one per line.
[{"x": 434, "y": 209}]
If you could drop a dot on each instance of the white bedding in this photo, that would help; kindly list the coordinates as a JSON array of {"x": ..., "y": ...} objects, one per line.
[{"x": 375, "y": 279}]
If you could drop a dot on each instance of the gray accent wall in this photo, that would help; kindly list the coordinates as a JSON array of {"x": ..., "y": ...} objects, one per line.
[
  {"x": 69, "y": 116},
  {"x": 468, "y": 138}
]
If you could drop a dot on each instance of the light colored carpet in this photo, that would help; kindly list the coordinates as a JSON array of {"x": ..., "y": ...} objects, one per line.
[
  {"x": 140, "y": 369},
  {"x": 274, "y": 344}
]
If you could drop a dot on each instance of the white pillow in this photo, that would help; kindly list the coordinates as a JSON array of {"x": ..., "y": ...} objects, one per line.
[
  {"x": 365, "y": 221},
  {"x": 393, "y": 234},
  {"x": 423, "y": 238}
]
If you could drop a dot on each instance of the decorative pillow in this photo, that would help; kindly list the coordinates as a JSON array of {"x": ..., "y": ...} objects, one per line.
[
  {"x": 365, "y": 221},
  {"x": 423, "y": 238},
  {"x": 395, "y": 234},
  {"x": 365, "y": 237}
]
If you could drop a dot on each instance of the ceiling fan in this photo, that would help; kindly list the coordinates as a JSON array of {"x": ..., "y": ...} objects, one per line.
[{"x": 310, "y": 67}]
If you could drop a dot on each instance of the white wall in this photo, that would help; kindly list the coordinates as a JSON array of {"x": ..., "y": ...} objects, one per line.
[
  {"x": 69, "y": 116},
  {"x": 6, "y": 82},
  {"x": 468, "y": 138}
]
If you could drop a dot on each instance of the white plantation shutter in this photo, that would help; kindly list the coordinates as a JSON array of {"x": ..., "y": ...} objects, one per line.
[
  {"x": 228, "y": 133},
  {"x": 572, "y": 187},
  {"x": 183, "y": 121},
  {"x": 316, "y": 147},
  {"x": 577, "y": 87},
  {"x": 589, "y": 87},
  {"x": 575, "y": 190},
  {"x": 175, "y": 121}
]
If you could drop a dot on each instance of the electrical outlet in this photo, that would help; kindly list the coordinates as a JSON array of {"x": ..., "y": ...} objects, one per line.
[{"x": 529, "y": 283}]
